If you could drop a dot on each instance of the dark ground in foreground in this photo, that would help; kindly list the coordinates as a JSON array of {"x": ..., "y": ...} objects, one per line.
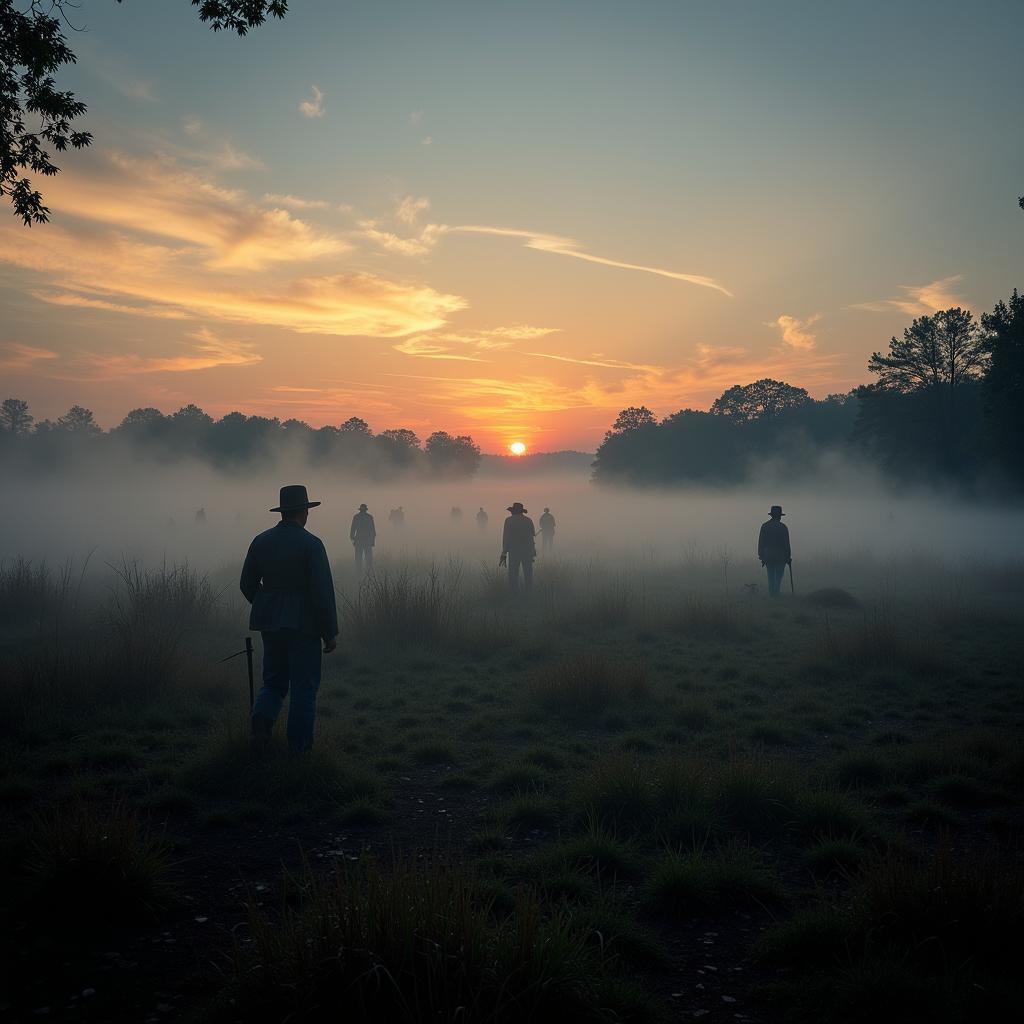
[{"x": 742, "y": 810}]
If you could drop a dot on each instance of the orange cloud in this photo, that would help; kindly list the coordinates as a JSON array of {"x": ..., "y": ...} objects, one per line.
[
  {"x": 795, "y": 332},
  {"x": 157, "y": 197},
  {"x": 181, "y": 252},
  {"x": 210, "y": 351},
  {"x": 442, "y": 345},
  {"x": 920, "y": 299},
  {"x": 15, "y": 356}
]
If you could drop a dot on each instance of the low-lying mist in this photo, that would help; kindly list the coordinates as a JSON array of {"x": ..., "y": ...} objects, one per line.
[{"x": 148, "y": 512}]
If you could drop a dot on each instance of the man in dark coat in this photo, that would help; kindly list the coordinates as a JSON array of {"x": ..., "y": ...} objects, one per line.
[
  {"x": 287, "y": 580},
  {"x": 518, "y": 547},
  {"x": 547, "y": 530},
  {"x": 773, "y": 549},
  {"x": 363, "y": 536},
  {"x": 481, "y": 519}
]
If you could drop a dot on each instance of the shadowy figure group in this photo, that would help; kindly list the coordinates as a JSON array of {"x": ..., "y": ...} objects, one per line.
[{"x": 286, "y": 577}]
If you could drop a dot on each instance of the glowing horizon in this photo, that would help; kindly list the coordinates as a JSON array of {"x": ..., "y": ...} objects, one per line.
[{"x": 295, "y": 228}]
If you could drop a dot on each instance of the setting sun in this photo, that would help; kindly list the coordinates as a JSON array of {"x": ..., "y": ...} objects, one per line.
[{"x": 517, "y": 448}]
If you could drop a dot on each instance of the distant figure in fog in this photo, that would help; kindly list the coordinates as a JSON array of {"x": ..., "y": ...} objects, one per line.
[
  {"x": 481, "y": 519},
  {"x": 518, "y": 548},
  {"x": 396, "y": 517},
  {"x": 773, "y": 549},
  {"x": 200, "y": 517},
  {"x": 363, "y": 536},
  {"x": 456, "y": 515},
  {"x": 287, "y": 580},
  {"x": 547, "y": 530}
]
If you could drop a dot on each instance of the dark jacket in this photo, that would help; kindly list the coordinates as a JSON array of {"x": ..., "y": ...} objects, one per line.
[
  {"x": 287, "y": 580},
  {"x": 547, "y": 523},
  {"x": 517, "y": 536},
  {"x": 363, "y": 531},
  {"x": 773, "y": 543}
]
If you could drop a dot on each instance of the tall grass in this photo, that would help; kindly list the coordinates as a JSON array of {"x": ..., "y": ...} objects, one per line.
[
  {"x": 415, "y": 942},
  {"x": 129, "y": 647},
  {"x": 586, "y": 684}
]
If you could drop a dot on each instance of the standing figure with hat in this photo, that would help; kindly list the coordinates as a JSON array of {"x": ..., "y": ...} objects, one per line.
[
  {"x": 518, "y": 547},
  {"x": 773, "y": 549},
  {"x": 363, "y": 536},
  {"x": 287, "y": 580}
]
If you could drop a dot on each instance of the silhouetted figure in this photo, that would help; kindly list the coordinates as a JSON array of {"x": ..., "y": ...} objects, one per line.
[
  {"x": 287, "y": 580},
  {"x": 518, "y": 548},
  {"x": 773, "y": 549},
  {"x": 396, "y": 517},
  {"x": 456, "y": 515},
  {"x": 171, "y": 524},
  {"x": 482, "y": 519},
  {"x": 363, "y": 536},
  {"x": 547, "y": 530},
  {"x": 200, "y": 517}
]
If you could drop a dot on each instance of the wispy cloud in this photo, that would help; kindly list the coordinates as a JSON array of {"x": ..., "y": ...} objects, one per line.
[
  {"x": 294, "y": 202},
  {"x": 89, "y": 302},
  {"x": 315, "y": 106},
  {"x": 159, "y": 197},
  {"x": 410, "y": 208},
  {"x": 919, "y": 299},
  {"x": 208, "y": 351},
  {"x": 569, "y": 247},
  {"x": 150, "y": 239},
  {"x": 795, "y": 332},
  {"x": 455, "y": 344},
  {"x": 17, "y": 357},
  {"x": 418, "y": 245}
]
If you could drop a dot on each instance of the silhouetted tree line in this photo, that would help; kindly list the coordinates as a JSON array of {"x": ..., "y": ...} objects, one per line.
[
  {"x": 235, "y": 441},
  {"x": 947, "y": 404}
]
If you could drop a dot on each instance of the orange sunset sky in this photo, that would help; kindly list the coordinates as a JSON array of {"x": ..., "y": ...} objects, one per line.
[{"x": 511, "y": 220}]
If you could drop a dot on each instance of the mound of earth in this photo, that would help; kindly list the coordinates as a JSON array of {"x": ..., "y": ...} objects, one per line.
[{"x": 832, "y": 597}]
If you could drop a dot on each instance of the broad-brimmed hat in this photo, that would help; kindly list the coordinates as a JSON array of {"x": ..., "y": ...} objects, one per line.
[
  {"x": 293, "y": 497},
  {"x": 516, "y": 506},
  {"x": 363, "y": 507},
  {"x": 776, "y": 511}
]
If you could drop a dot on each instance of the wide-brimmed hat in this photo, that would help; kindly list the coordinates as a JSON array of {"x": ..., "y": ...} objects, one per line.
[
  {"x": 363, "y": 507},
  {"x": 776, "y": 511},
  {"x": 293, "y": 497},
  {"x": 517, "y": 506}
]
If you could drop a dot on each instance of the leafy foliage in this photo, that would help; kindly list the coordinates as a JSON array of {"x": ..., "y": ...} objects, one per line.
[
  {"x": 33, "y": 48},
  {"x": 240, "y": 440}
]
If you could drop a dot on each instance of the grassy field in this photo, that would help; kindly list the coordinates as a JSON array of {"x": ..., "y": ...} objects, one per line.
[{"x": 645, "y": 793}]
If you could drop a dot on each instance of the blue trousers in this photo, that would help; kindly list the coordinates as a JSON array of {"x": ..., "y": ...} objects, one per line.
[
  {"x": 290, "y": 658},
  {"x": 775, "y": 575},
  {"x": 515, "y": 563}
]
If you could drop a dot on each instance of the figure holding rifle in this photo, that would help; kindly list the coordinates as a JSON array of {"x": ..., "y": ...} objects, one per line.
[
  {"x": 287, "y": 580},
  {"x": 774, "y": 551},
  {"x": 518, "y": 547}
]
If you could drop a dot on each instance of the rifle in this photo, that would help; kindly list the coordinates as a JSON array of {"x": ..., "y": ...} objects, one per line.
[
  {"x": 247, "y": 651},
  {"x": 791, "y": 588}
]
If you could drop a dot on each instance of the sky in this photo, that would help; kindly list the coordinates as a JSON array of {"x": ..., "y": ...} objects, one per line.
[{"x": 511, "y": 220}]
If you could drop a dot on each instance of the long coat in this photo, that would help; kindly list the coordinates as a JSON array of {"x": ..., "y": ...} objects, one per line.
[
  {"x": 517, "y": 536},
  {"x": 773, "y": 543},
  {"x": 287, "y": 580},
  {"x": 363, "y": 532},
  {"x": 547, "y": 523}
]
